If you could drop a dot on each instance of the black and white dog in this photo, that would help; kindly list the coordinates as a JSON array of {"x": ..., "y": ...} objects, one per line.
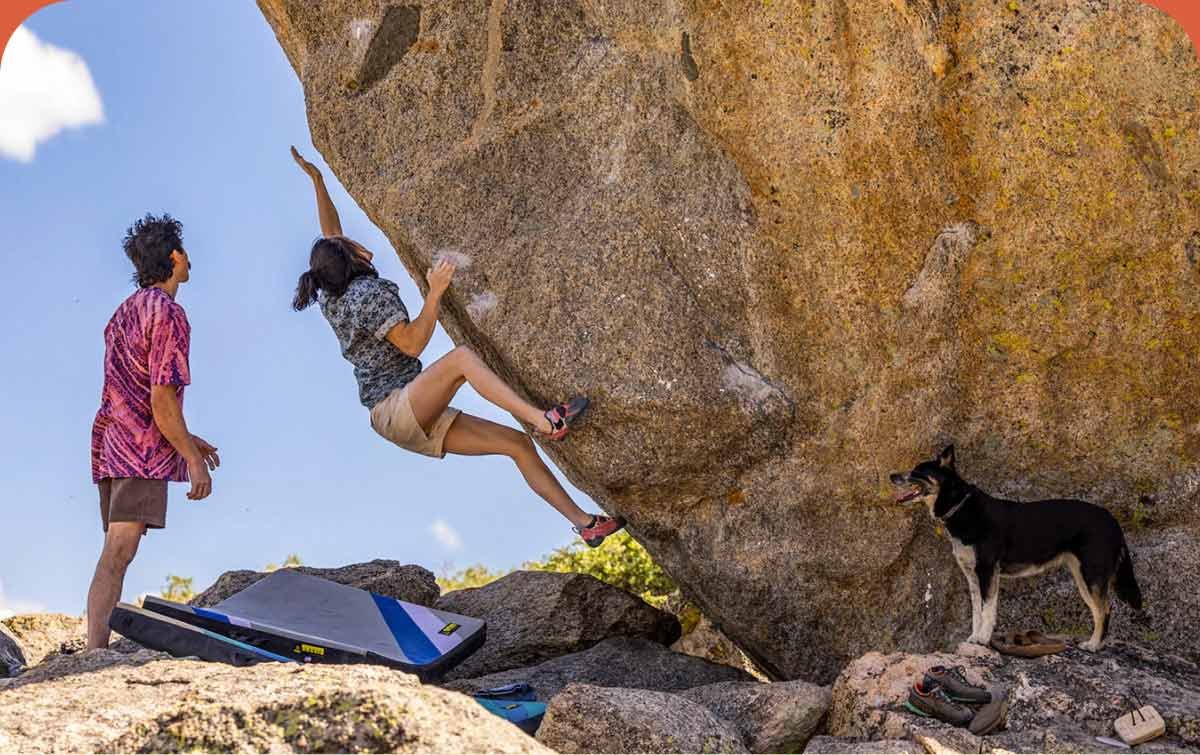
[{"x": 994, "y": 538}]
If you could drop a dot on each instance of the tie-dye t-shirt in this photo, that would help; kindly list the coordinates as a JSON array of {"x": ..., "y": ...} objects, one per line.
[{"x": 146, "y": 343}]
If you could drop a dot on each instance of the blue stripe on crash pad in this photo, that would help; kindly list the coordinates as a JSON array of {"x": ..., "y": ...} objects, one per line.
[
  {"x": 250, "y": 648},
  {"x": 204, "y": 613},
  {"x": 416, "y": 646}
]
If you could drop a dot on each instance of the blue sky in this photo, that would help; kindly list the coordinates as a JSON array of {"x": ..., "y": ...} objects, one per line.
[{"x": 199, "y": 106}]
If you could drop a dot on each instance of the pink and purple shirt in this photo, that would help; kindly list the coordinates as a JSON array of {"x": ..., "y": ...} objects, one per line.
[{"x": 145, "y": 344}]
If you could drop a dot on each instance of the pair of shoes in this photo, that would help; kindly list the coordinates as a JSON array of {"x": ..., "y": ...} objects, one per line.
[
  {"x": 945, "y": 694},
  {"x": 600, "y": 528}
]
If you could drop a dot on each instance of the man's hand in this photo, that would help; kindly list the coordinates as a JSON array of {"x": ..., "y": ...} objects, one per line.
[
  {"x": 208, "y": 451},
  {"x": 306, "y": 166},
  {"x": 201, "y": 482},
  {"x": 439, "y": 278}
]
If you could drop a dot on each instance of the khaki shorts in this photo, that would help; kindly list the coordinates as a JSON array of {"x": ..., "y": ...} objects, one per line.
[
  {"x": 393, "y": 418},
  {"x": 132, "y": 499}
]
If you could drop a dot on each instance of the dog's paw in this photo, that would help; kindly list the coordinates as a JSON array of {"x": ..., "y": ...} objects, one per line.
[{"x": 1091, "y": 646}]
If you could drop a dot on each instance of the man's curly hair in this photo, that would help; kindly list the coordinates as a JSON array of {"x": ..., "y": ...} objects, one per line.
[{"x": 148, "y": 245}]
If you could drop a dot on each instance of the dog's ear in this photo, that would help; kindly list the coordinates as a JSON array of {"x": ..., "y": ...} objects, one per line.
[{"x": 946, "y": 457}]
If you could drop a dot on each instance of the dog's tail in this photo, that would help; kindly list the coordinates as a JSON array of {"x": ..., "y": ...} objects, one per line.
[{"x": 1127, "y": 586}]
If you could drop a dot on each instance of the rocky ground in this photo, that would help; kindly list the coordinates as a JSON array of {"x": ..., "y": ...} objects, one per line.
[{"x": 603, "y": 666}]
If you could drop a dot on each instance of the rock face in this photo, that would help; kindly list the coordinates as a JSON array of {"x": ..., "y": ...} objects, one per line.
[
  {"x": 634, "y": 664},
  {"x": 1058, "y": 703},
  {"x": 790, "y": 247},
  {"x": 583, "y": 718},
  {"x": 147, "y": 702},
  {"x": 407, "y": 582},
  {"x": 777, "y": 717},
  {"x": 534, "y": 616}
]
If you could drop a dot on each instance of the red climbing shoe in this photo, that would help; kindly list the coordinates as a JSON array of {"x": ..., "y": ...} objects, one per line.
[
  {"x": 563, "y": 416},
  {"x": 600, "y": 528}
]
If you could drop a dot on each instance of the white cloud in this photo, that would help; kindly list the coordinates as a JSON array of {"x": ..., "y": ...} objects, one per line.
[
  {"x": 446, "y": 535},
  {"x": 43, "y": 90},
  {"x": 13, "y": 607}
]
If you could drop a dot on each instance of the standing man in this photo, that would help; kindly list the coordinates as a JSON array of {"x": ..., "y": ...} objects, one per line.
[{"x": 139, "y": 440}]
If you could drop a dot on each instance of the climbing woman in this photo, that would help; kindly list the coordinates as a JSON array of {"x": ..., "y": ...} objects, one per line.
[{"x": 410, "y": 406}]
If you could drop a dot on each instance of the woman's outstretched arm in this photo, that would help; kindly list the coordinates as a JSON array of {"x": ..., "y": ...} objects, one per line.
[{"x": 331, "y": 224}]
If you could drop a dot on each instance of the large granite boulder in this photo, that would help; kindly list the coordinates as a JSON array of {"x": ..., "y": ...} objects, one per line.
[
  {"x": 407, "y": 582},
  {"x": 534, "y": 616},
  {"x": 779, "y": 717},
  {"x": 790, "y": 247},
  {"x": 582, "y": 718},
  {"x": 634, "y": 664},
  {"x": 105, "y": 701},
  {"x": 1058, "y": 703}
]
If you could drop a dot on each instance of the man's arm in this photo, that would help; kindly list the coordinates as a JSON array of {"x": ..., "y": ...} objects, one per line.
[
  {"x": 331, "y": 224},
  {"x": 168, "y": 416},
  {"x": 412, "y": 337}
]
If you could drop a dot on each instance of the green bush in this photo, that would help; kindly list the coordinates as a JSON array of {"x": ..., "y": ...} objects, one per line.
[
  {"x": 179, "y": 589},
  {"x": 472, "y": 576},
  {"x": 621, "y": 562}
]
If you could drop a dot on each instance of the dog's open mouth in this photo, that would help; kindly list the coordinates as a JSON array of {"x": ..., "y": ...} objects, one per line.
[{"x": 903, "y": 496}]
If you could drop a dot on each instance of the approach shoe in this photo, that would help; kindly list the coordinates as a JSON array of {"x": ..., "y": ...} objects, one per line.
[
  {"x": 930, "y": 700},
  {"x": 600, "y": 528},
  {"x": 991, "y": 716},
  {"x": 564, "y": 416},
  {"x": 954, "y": 681}
]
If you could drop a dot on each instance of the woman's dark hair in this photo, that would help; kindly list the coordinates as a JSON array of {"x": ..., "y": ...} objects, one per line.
[
  {"x": 332, "y": 264},
  {"x": 148, "y": 245}
]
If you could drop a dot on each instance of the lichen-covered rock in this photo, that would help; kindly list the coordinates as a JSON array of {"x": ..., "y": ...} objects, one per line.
[
  {"x": 407, "y": 582},
  {"x": 790, "y": 247},
  {"x": 44, "y": 635},
  {"x": 582, "y": 718},
  {"x": 534, "y": 616},
  {"x": 634, "y": 664},
  {"x": 1057, "y": 703},
  {"x": 777, "y": 717},
  {"x": 104, "y": 701}
]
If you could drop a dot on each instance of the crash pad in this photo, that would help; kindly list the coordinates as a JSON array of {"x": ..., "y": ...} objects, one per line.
[
  {"x": 180, "y": 639},
  {"x": 314, "y": 620}
]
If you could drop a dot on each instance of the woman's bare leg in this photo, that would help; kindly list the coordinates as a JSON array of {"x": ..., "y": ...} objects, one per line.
[
  {"x": 431, "y": 391},
  {"x": 473, "y": 436}
]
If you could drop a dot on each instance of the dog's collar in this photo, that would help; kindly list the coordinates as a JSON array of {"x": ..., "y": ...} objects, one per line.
[{"x": 946, "y": 517}]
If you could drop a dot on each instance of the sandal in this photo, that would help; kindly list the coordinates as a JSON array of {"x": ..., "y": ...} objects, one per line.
[
  {"x": 563, "y": 417},
  {"x": 1023, "y": 645}
]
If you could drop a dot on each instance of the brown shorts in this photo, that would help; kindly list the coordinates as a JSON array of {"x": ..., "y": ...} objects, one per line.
[
  {"x": 132, "y": 499},
  {"x": 393, "y": 418}
]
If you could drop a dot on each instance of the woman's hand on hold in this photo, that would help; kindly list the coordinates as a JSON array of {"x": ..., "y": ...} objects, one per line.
[{"x": 439, "y": 278}]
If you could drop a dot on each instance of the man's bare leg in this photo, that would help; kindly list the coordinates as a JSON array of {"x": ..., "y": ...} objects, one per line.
[
  {"x": 120, "y": 546},
  {"x": 431, "y": 392},
  {"x": 473, "y": 436}
]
